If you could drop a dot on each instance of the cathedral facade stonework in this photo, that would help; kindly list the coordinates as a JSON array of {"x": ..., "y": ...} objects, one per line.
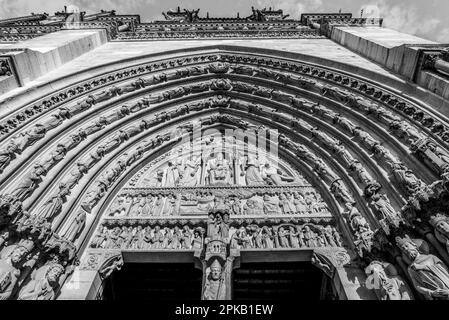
[{"x": 225, "y": 144}]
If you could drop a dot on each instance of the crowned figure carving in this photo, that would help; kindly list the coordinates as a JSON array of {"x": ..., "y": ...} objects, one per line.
[
  {"x": 11, "y": 263},
  {"x": 215, "y": 284},
  {"x": 440, "y": 224}
]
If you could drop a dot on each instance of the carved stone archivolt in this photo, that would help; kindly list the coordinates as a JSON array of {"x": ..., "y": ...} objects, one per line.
[{"x": 106, "y": 143}]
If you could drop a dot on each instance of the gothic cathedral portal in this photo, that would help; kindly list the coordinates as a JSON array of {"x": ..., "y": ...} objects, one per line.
[{"x": 239, "y": 158}]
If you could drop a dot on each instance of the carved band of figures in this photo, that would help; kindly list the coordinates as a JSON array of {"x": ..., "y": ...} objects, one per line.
[
  {"x": 251, "y": 236},
  {"x": 302, "y": 201},
  {"x": 148, "y": 237}
]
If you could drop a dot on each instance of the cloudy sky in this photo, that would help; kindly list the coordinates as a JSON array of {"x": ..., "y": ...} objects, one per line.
[{"x": 425, "y": 18}]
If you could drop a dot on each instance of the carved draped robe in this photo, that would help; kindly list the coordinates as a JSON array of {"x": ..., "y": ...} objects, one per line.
[
  {"x": 253, "y": 176},
  {"x": 219, "y": 172},
  {"x": 215, "y": 289},
  {"x": 191, "y": 173},
  {"x": 172, "y": 177},
  {"x": 428, "y": 273},
  {"x": 37, "y": 290},
  {"x": 51, "y": 207}
]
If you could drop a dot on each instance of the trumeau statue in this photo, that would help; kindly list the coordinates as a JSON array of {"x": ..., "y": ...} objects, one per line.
[
  {"x": 215, "y": 286},
  {"x": 430, "y": 276}
]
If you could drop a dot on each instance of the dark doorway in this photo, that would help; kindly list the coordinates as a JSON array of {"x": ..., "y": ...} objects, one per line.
[
  {"x": 154, "y": 281},
  {"x": 280, "y": 281}
]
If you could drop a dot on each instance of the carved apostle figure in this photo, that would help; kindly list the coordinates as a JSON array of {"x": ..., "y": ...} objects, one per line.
[
  {"x": 215, "y": 286},
  {"x": 429, "y": 274},
  {"x": 43, "y": 286}
]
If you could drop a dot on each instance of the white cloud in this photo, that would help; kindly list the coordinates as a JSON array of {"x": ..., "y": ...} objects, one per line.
[{"x": 405, "y": 18}]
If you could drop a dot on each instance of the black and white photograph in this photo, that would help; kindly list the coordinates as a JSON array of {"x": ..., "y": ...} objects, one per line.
[{"x": 222, "y": 156}]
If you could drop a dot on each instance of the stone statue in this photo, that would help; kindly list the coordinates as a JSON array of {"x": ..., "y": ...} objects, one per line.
[
  {"x": 310, "y": 237},
  {"x": 27, "y": 185},
  {"x": 283, "y": 238},
  {"x": 271, "y": 205},
  {"x": 53, "y": 205},
  {"x": 293, "y": 235},
  {"x": 30, "y": 137},
  {"x": 286, "y": 205},
  {"x": 361, "y": 172},
  {"x": 75, "y": 175},
  {"x": 440, "y": 223},
  {"x": 215, "y": 286},
  {"x": 94, "y": 195},
  {"x": 267, "y": 237},
  {"x": 7, "y": 154},
  {"x": 340, "y": 192},
  {"x": 43, "y": 283},
  {"x": 345, "y": 123},
  {"x": 430, "y": 276},
  {"x": 384, "y": 279},
  {"x": 172, "y": 175},
  {"x": 252, "y": 172},
  {"x": 383, "y": 206},
  {"x": 300, "y": 203},
  {"x": 10, "y": 265},
  {"x": 75, "y": 226}
]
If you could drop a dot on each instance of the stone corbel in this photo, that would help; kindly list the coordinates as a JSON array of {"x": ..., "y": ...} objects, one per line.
[
  {"x": 110, "y": 264},
  {"x": 102, "y": 261},
  {"x": 330, "y": 259}
]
